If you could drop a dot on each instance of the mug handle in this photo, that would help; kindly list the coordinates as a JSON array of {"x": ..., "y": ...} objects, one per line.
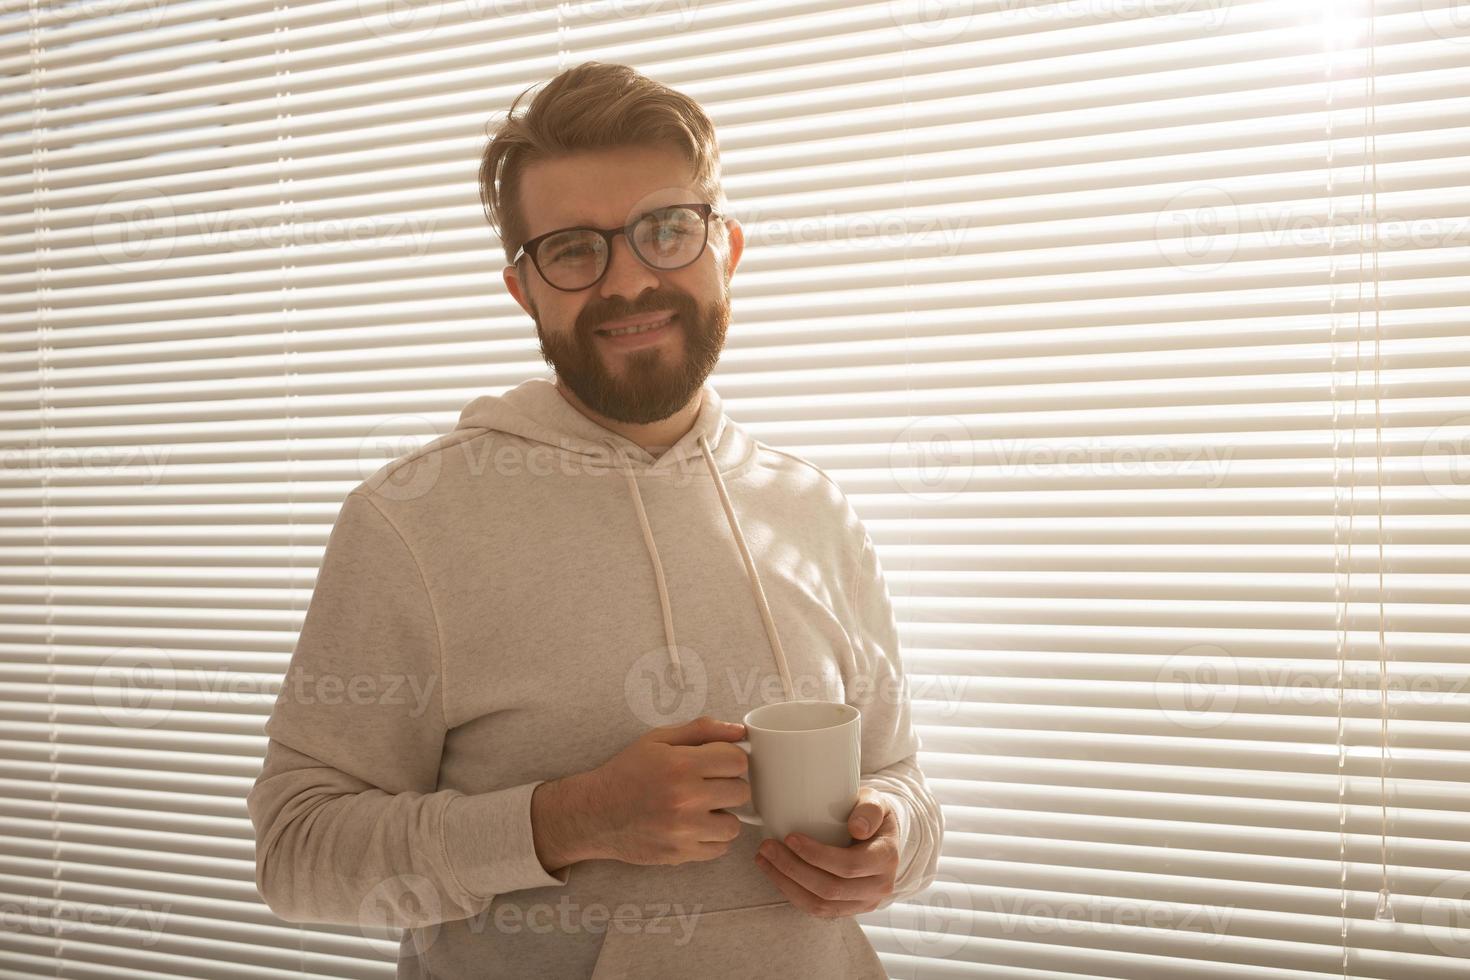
[{"x": 745, "y": 812}]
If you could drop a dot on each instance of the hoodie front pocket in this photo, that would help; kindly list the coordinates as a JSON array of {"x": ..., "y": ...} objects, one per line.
[{"x": 775, "y": 942}]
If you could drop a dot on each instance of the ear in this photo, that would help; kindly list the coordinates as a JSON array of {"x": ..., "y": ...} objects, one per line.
[
  {"x": 735, "y": 235},
  {"x": 512, "y": 277}
]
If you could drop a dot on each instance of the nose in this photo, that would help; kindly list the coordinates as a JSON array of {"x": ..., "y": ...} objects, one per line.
[{"x": 626, "y": 276}]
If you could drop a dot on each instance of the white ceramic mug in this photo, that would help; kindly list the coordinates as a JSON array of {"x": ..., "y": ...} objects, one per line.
[{"x": 805, "y": 759}]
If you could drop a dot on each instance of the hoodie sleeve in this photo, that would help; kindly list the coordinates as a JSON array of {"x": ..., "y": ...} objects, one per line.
[
  {"x": 879, "y": 689},
  {"x": 349, "y": 825}
]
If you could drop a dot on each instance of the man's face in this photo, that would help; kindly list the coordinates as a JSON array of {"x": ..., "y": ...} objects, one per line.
[{"x": 647, "y": 378}]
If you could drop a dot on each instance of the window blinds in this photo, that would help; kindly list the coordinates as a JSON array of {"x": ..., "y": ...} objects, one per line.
[{"x": 1134, "y": 330}]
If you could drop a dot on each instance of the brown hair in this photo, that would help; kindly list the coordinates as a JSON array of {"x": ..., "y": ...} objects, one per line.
[{"x": 592, "y": 106}]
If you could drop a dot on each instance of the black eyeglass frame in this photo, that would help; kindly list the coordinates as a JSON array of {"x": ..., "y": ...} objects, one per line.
[{"x": 528, "y": 248}]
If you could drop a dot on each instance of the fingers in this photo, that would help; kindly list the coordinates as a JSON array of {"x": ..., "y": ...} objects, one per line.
[
  {"x": 854, "y": 861},
  {"x": 721, "y": 759},
  {"x": 811, "y": 890},
  {"x": 718, "y": 828},
  {"x": 727, "y": 792},
  {"x": 866, "y": 817},
  {"x": 824, "y": 884},
  {"x": 708, "y": 852},
  {"x": 698, "y": 731}
]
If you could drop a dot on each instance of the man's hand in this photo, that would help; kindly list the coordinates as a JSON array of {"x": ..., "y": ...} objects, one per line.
[
  {"x": 658, "y": 801},
  {"x": 827, "y": 881}
]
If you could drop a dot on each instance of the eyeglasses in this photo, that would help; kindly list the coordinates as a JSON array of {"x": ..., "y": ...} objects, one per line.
[{"x": 670, "y": 237}]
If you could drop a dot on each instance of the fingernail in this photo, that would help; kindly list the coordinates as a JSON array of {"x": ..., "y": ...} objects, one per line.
[{"x": 862, "y": 826}]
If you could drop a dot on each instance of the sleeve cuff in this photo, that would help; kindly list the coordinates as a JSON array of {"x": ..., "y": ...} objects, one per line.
[{"x": 489, "y": 846}]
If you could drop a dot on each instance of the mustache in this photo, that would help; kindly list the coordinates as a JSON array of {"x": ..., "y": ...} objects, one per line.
[{"x": 593, "y": 318}]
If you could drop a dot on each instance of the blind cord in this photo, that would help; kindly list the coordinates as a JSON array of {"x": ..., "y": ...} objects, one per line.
[
  {"x": 1384, "y": 912},
  {"x": 1341, "y": 583},
  {"x": 43, "y": 371},
  {"x": 281, "y": 48}
]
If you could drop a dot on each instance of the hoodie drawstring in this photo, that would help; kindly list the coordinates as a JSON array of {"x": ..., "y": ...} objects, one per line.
[
  {"x": 658, "y": 574},
  {"x": 750, "y": 572}
]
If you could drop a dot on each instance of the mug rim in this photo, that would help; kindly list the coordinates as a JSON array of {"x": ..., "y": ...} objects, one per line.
[{"x": 855, "y": 715}]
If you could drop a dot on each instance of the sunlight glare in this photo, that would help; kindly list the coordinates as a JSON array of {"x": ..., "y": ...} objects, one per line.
[{"x": 1341, "y": 22}]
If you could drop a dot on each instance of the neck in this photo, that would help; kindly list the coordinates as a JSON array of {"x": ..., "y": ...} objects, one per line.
[{"x": 653, "y": 437}]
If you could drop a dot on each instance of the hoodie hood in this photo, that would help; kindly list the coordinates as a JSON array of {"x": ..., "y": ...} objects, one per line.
[{"x": 536, "y": 411}]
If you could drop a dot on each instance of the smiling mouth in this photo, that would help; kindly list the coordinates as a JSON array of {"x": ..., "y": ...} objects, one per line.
[{"x": 636, "y": 330}]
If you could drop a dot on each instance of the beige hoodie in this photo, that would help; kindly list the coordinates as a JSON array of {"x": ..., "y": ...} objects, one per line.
[{"x": 517, "y": 601}]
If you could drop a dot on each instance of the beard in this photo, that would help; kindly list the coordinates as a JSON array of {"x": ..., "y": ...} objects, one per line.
[{"x": 652, "y": 382}]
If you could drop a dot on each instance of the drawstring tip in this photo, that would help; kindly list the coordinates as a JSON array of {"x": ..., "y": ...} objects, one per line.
[{"x": 1385, "y": 910}]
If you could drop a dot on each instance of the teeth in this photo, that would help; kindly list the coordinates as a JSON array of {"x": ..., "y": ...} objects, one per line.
[{"x": 640, "y": 328}]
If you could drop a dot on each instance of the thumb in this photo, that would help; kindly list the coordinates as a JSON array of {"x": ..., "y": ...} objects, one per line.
[
  {"x": 698, "y": 731},
  {"x": 867, "y": 814}
]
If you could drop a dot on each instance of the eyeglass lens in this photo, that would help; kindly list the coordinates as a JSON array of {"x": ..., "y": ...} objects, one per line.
[{"x": 665, "y": 239}]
